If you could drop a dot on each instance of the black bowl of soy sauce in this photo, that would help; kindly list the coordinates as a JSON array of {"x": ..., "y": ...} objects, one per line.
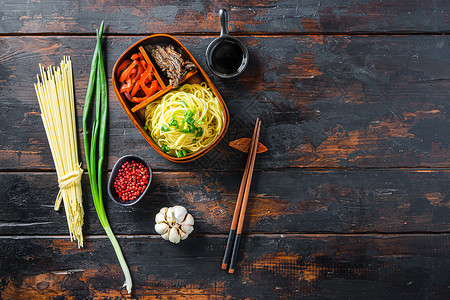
[{"x": 226, "y": 56}]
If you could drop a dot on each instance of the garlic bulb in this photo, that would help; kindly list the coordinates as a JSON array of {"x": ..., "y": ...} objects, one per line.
[{"x": 174, "y": 223}]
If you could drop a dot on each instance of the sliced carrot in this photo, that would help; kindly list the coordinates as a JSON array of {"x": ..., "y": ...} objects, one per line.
[
  {"x": 150, "y": 90},
  {"x": 127, "y": 71},
  {"x": 123, "y": 66},
  {"x": 136, "y": 80}
]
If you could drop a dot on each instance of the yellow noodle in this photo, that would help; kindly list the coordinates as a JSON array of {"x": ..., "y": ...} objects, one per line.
[
  {"x": 196, "y": 99},
  {"x": 54, "y": 91}
]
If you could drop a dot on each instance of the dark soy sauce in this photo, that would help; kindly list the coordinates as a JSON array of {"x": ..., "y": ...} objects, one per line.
[{"x": 227, "y": 57}]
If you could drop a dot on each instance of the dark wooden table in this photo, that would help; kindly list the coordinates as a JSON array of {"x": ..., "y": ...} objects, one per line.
[{"x": 351, "y": 201}]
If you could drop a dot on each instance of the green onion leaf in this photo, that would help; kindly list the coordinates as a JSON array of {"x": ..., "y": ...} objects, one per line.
[
  {"x": 165, "y": 148},
  {"x": 173, "y": 122},
  {"x": 182, "y": 103},
  {"x": 165, "y": 128},
  {"x": 200, "y": 122},
  {"x": 181, "y": 153},
  {"x": 199, "y": 133},
  {"x": 190, "y": 121},
  {"x": 99, "y": 127}
]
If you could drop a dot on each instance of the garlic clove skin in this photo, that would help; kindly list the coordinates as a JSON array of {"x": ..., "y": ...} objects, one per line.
[
  {"x": 179, "y": 213},
  {"x": 161, "y": 228},
  {"x": 174, "y": 235},
  {"x": 160, "y": 218},
  {"x": 189, "y": 220},
  {"x": 170, "y": 216},
  {"x": 183, "y": 235},
  {"x": 187, "y": 228},
  {"x": 166, "y": 235}
]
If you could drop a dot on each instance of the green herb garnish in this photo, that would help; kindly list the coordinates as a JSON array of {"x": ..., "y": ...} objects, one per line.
[
  {"x": 200, "y": 122},
  {"x": 185, "y": 131},
  {"x": 181, "y": 153},
  {"x": 199, "y": 132},
  {"x": 165, "y": 148},
  {"x": 173, "y": 122}
]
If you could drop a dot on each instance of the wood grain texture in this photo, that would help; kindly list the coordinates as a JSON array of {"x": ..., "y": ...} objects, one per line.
[
  {"x": 270, "y": 267},
  {"x": 202, "y": 16},
  {"x": 328, "y": 102},
  {"x": 324, "y": 101},
  {"x": 280, "y": 201}
]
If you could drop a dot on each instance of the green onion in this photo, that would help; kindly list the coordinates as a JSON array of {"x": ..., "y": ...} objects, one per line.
[
  {"x": 200, "y": 122},
  {"x": 182, "y": 103},
  {"x": 199, "y": 133},
  {"x": 98, "y": 77},
  {"x": 181, "y": 153},
  {"x": 145, "y": 127},
  {"x": 165, "y": 128},
  {"x": 173, "y": 122},
  {"x": 190, "y": 121},
  {"x": 165, "y": 148}
]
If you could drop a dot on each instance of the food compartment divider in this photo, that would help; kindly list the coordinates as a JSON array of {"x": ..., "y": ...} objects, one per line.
[
  {"x": 149, "y": 61},
  {"x": 162, "y": 92}
]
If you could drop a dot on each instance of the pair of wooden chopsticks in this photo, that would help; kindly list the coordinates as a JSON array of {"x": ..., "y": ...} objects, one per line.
[{"x": 234, "y": 237}]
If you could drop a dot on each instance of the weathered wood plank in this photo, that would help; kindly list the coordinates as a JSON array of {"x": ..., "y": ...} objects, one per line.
[
  {"x": 280, "y": 201},
  {"x": 275, "y": 267},
  {"x": 325, "y": 101},
  {"x": 202, "y": 16}
]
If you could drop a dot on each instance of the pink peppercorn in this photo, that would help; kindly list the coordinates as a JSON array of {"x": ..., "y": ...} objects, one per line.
[{"x": 131, "y": 180}]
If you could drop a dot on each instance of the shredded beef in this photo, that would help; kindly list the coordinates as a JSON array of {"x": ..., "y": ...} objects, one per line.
[{"x": 172, "y": 63}]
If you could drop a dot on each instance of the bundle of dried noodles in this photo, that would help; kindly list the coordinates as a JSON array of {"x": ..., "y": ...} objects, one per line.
[{"x": 54, "y": 91}]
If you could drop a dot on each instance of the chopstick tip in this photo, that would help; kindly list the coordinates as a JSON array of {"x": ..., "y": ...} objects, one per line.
[
  {"x": 224, "y": 266},
  {"x": 231, "y": 271}
]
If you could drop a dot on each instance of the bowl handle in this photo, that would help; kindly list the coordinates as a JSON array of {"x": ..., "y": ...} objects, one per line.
[{"x": 223, "y": 17}]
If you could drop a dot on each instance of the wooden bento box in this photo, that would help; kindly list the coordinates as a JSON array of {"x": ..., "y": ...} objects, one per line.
[{"x": 136, "y": 112}]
